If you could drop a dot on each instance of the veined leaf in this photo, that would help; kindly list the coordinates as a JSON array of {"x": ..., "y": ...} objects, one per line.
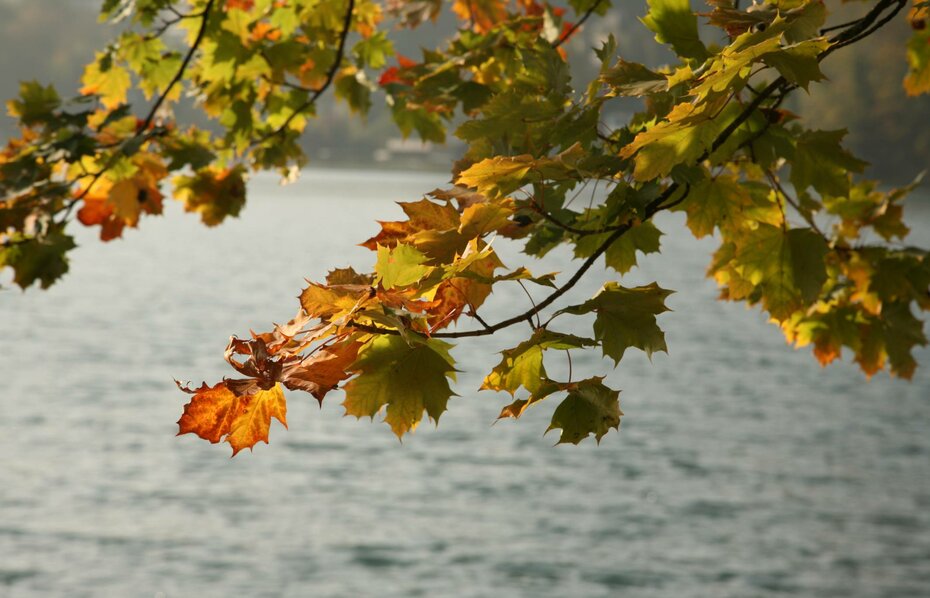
[
  {"x": 523, "y": 365},
  {"x": 675, "y": 24},
  {"x": 216, "y": 413},
  {"x": 399, "y": 266},
  {"x": 590, "y": 408},
  {"x": 626, "y": 317},
  {"x": 406, "y": 378}
]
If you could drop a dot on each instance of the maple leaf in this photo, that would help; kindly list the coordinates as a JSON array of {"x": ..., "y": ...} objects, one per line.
[
  {"x": 213, "y": 193},
  {"x": 116, "y": 204},
  {"x": 497, "y": 176},
  {"x": 108, "y": 80},
  {"x": 633, "y": 79},
  {"x": 217, "y": 413},
  {"x": 330, "y": 302},
  {"x": 784, "y": 269},
  {"x": 322, "y": 371},
  {"x": 716, "y": 202},
  {"x": 399, "y": 266},
  {"x": 673, "y": 23},
  {"x": 686, "y": 135},
  {"x": 483, "y": 15},
  {"x": 41, "y": 260},
  {"x": 407, "y": 379},
  {"x": 822, "y": 163},
  {"x": 36, "y": 103},
  {"x": 626, "y": 317},
  {"x": 621, "y": 254},
  {"x": 523, "y": 364},
  {"x": 590, "y": 408}
]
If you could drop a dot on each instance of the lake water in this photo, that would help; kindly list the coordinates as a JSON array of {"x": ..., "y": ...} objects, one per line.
[{"x": 741, "y": 468}]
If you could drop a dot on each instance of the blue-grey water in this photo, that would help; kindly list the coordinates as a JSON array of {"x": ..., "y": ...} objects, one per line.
[{"x": 742, "y": 468}]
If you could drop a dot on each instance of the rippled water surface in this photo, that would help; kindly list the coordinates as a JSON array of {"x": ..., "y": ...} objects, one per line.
[{"x": 741, "y": 469}]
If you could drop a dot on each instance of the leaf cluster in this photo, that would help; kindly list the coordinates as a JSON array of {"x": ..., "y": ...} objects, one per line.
[{"x": 802, "y": 234}]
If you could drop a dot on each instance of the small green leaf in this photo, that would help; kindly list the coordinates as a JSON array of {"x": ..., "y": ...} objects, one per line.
[
  {"x": 822, "y": 163},
  {"x": 808, "y": 250},
  {"x": 626, "y": 317},
  {"x": 590, "y": 408},
  {"x": 400, "y": 266},
  {"x": 675, "y": 23},
  {"x": 38, "y": 260},
  {"x": 36, "y": 103},
  {"x": 523, "y": 365}
]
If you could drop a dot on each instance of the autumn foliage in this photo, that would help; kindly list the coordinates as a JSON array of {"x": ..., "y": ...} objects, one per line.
[{"x": 802, "y": 234}]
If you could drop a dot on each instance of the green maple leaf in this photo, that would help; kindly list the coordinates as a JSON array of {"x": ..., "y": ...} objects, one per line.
[
  {"x": 799, "y": 63},
  {"x": 399, "y": 266},
  {"x": 822, "y": 163},
  {"x": 716, "y": 202},
  {"x": 406, "y": 378},
  {"x": 626, "y": 317},
  {"x": 675, "y": 24},
  {"x": 785, "y": 270},
  {"x": 36, "y": 103},
  {"x": 523, "y": 365},
  {"x": 633, "y": 79},
  {"x": 621, "y": 255},
  {"x": 590, "y": 408},
  {"x": 38, "y": 260},
  {"x": 108, "y": 80}
]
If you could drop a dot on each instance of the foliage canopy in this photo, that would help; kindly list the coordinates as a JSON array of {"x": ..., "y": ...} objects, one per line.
[{"x": 801, "y": 234}]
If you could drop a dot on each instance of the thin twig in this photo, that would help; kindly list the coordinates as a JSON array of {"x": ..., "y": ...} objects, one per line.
[
  {"x": 330, "y": 76},
  {"x": 141, "y": 131},
  {"x": 576, "y": 26}
]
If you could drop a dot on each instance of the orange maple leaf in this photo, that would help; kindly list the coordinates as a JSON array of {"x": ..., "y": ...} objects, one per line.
[
  {"x": 114, "y": 205},
  {"x": 217, "y": 413},
  {"x": 322, "y": 371},
  {"x": 483, "y": 15},
  {"x": 245, "y": 5}
]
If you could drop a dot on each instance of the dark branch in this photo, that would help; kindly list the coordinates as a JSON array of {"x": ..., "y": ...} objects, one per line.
[
  {"x": 565, "y": 36},
  {"x": 205, "y": 17},
  {"x": 330, "y": 76},
  {"x": 142, "y": 130}
]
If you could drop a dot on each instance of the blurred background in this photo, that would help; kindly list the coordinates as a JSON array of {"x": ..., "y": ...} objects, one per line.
[{"x": 742, "y": 468}]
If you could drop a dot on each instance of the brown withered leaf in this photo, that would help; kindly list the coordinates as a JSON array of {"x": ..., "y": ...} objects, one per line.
[
  {"x": 464, "y": 196},
  {"x": 344, "y": 276},
  {"x": 390, "y": 235},
  {"x": 259, "y": 365},
  {"x": 283, "y": 334},
  {"x": 322, "y": 371}
]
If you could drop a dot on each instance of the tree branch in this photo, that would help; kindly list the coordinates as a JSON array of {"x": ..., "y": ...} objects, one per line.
[
  {"x": 587, "y": 14},
  {"x": 330, "y": 76},
  {"x": 141, "y": 131},
  {"x": 854, "y": 33}
]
